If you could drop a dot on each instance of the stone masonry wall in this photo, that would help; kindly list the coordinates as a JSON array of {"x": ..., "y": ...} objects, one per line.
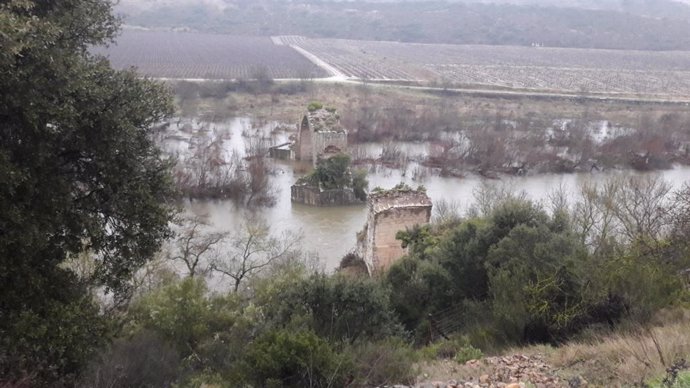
[
  {"x": 386, "y": 249},
  {"x": 312, "y": 196},
  {"x": 322, "y": 140},
  {"x": 388, "y": 214},
  {"x": 316, "y": 132},
  {"x": 304, "y": 141}
]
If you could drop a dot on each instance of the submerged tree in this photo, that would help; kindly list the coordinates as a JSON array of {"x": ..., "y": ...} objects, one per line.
[
  {"x": 336, "y": 173},
  {"x": 79, "y": 173}
]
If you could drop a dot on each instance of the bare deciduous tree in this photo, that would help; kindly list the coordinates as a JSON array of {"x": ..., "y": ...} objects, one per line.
[
  {"x": 593, "y": 213},
  {"x": 446, "y": 211},
  {"x": 153, "y": 274},
  {"x": 642, "y": 208},
  {"x": 631, "y": 209},
  {"x": 490, "y": 194},
  {"x": 253, "y": 250},
  {"x": 195, "y": 244}
]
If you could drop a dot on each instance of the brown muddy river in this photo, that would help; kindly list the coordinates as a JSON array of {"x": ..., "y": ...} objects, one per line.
[{"x": 329, "y": 233}]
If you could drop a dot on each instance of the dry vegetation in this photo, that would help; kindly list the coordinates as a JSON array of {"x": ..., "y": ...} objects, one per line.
[
  {"x": 484, "y": 135},
  {"x": 629, "y": 357},
  {"x": 358, "y": 103},
  {"x": 625, "y": 358}
]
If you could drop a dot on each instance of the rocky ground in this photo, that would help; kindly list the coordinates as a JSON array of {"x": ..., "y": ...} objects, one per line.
[{"x": 516, "y": 371}]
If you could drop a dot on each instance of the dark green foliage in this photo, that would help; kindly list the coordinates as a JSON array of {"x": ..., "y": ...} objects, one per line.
[
  {"x": 532, "y": 284},
  {"x": 360, "y": 184},
  {"x": 528, "y": 271},
  {"x": 353, "y": 264},
  {"x": 294, "y": 331},
  {"x": 144, "y": 360},
  {"x": 421, "y": 240},
  {"x": 287, "y": 358},
  {"x": 419, "y": 287},
  {"x": 209, "y": 332},
  {"x": 464, "y": 253},
  {"x": 333, "y": 173},
  {"x": 186, "y": 316},
  {"x": 79, "y": 174},
  {"x": 52, "y": 342},
  {"x": 511, "y": 213},
  {"x": 338, "y": 308},
  {"x": 641, "y": 284}
]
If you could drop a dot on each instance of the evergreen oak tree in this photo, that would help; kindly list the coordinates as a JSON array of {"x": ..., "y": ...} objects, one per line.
[{"x": 78, "y": 173}]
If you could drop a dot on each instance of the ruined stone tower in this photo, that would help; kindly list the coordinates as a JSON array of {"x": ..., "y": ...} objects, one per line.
[
  {"x": 320, "y": 133},
  {"x": 389, "y": 212}
]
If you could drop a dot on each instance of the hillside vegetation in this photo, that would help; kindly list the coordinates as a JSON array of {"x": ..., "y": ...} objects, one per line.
[{"x": 583, "y": 277}]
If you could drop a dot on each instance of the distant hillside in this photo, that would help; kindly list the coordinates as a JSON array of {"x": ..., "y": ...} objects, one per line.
[{"x": 612, "y": 24}]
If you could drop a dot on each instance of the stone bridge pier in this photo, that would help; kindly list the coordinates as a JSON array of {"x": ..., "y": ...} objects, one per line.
[{"x": 390, "y": 211}]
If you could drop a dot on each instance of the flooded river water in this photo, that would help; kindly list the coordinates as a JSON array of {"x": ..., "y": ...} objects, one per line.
[{"x": 330, "y": 232}]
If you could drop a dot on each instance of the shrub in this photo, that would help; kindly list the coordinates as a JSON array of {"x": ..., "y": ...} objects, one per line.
[
  {"x": 457, "y": 348},
  {"x": 353, "y": 264},
  {"x": 645, "y": 285},
  {"x": 332, "y": 173},
  {"x": 314, "y": 106},
  {"x": 50, "y": 346},
  {"x": 292, "y": 359},
  {"x": 467, "y": 353},
  {"x": 382, "y": 363},
  {"x": 338, "y": 308},
  {"x": 144, "y": 360},
  {"x": 185, "y": 315}
]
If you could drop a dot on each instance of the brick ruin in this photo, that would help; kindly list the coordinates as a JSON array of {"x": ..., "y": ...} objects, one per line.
[
  {"x": 389, "y": 212},
  {"x": 320, "y": 134}
]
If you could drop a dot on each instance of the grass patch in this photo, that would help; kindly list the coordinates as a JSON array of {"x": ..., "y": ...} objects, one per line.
[{"x": 631, "y": 357}]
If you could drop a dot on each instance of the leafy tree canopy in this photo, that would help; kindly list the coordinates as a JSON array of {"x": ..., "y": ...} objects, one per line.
[
  {"x": 338, "y": 308},
  {"x": 79, "y": 173},
  {"x": 517, "y": 262}
]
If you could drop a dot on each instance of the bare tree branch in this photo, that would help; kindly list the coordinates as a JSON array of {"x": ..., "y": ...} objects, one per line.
[
  {"x": 252, "y": 251},
  {"x": 195, "y": 244}
]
